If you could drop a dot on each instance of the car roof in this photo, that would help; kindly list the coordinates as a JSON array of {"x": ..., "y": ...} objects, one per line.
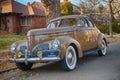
[{"x": 69, "y": 16}]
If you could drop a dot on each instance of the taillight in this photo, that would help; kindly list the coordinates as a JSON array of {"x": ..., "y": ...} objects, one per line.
[{"x": 28, "y": 40}]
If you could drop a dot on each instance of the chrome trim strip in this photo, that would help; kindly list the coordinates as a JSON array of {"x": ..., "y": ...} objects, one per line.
[
  {"x": 45, "y": 31},
  {"x": 34, "y": 59}
]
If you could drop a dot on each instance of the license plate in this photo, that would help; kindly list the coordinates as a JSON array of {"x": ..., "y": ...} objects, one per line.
[{"x": 50, "y": 53}]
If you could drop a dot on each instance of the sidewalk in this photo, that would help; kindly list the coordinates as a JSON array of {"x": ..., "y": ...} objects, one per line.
[{"x": 117, "y": 35}]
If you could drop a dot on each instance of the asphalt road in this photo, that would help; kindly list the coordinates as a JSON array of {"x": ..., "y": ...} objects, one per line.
[{"x": 91, "y": 67}]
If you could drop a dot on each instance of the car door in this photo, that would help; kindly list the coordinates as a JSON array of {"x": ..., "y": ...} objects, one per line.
[
  {"x": 84, "y": 34},
  {"x": 94, "y": 38}
]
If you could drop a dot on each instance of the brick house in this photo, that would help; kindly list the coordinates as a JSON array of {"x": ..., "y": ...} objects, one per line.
[{"x": 16, "y": 18}]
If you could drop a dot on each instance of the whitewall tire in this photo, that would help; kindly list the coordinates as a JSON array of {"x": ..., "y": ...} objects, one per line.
[
  {"x": 103, "y": 51},
  {"x": 70, "y": 59}
]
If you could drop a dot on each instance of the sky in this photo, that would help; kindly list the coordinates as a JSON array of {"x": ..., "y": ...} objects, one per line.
[{"x": 76, "y": 2}]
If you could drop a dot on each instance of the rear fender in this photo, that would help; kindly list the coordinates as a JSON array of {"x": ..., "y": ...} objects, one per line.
[{"x": 100, "y": 38}]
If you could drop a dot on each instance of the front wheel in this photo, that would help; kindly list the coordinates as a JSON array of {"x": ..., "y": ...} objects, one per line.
[
  {"x": 102, "y": 51},
  {"x": 23, "y": 66},
  {"x": 70, "y": 59}
]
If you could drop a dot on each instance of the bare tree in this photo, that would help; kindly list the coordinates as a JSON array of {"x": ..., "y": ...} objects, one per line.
[
  {"x": 111, "y": 10},
  {"x": 91, "y": 6},
  {"x": 82, "y": 8},
  {"x": 53, "y": 8},
  {"x": 114, "y": 7}
]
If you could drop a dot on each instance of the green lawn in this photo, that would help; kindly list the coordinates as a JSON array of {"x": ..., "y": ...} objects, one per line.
[{"x": 7, "y": 40}]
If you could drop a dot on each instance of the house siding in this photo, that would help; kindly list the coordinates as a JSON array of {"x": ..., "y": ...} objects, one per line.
[
  {"x": 12, "y": 23},
  {"x": 36, "y": 22},
  {"x": 16, "y": 23}
]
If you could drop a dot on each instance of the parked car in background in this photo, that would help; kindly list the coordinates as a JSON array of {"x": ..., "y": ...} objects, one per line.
[{"x": 64, "y": 39}]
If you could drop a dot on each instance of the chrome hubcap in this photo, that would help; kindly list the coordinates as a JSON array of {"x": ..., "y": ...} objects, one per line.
[
  {"x": 104, "y": 48},
  {"x": 70, "y": 57}
]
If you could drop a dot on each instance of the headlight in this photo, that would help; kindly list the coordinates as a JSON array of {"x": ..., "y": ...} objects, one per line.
[
  {"x": 13, "y": 47},
  {"x": 55, "y": 44}
]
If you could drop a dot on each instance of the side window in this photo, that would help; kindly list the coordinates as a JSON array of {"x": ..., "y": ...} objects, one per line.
[
  {"x": 49, "y": 25},
  {"x": 80, "y": 23},
  {"x": 68, "y": 22},
  {"x": 83, "y": 23},
  {"x": 90, "y": 23},
  {"x": 53, "y": 24}
]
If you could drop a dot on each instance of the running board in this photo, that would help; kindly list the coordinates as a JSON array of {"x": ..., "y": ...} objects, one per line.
[{"x": 90, "y": 51}]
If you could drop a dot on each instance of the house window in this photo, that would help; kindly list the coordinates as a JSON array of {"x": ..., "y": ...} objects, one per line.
[{"x": 26, "y": 21}]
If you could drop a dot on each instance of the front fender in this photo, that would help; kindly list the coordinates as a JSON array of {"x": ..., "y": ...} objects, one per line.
[
  {"x": 67, "y": 41},
  {"x": 20, "y": 43}
]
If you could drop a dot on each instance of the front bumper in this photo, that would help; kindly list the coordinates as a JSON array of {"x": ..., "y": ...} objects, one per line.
[
  {"x": 53, "y": 56},
  {"x": 21, "y": 60}
]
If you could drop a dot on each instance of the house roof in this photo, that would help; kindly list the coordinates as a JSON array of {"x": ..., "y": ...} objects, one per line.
[
  {"x": 40, "y": 6},
  {"x": 28, "y": 10},
  {"x": 38, "y": 12},
  {"x": 19, "y": 8}
]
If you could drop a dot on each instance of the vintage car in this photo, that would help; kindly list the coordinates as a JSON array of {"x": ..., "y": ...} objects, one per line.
[{"x": 65, "y": 39}]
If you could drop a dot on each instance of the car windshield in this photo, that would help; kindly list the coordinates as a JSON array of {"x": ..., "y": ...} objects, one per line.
[{"x": 69, "y": 22}]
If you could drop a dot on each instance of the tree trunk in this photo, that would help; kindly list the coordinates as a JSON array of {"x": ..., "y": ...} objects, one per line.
[
  {"x": 111, "y": 11},
  {"x": 53, "y": 7}
]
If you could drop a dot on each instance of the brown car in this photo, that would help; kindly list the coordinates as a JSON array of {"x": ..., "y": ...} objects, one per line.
[{"x": 64, "y": 39}]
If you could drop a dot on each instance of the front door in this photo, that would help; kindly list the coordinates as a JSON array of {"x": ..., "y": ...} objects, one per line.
[
  {"x": 84, "y": 34},
  {"x": 94, "y": 38}
]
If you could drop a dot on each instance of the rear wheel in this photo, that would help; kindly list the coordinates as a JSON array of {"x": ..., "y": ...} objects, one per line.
[
  {"x": 23, "y": 66},
  {"x": 102, "y": 51},
  {"x": 70, "y": 59}
]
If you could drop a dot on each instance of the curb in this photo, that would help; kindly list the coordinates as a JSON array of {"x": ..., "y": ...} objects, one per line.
[{"x": 3, "y": 71}]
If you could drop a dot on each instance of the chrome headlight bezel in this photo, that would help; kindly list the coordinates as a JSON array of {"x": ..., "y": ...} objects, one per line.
[
  {"x": 55, "y": 44},
  {"x": 12, "y": 48}
]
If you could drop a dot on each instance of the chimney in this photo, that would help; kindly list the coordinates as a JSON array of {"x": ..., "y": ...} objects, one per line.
[
  {"x": 30, "y": 9},
  {"x": 28, "y": 4},
  {"x": 65, "y": 0}
]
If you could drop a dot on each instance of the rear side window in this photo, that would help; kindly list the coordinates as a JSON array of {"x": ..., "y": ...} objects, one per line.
[{"x": 68, "y": 22}]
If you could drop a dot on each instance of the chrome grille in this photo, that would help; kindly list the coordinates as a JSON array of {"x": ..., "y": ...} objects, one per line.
[
  {"x": 40, "y": 47},
  {"x": 43, "y": 47}
]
